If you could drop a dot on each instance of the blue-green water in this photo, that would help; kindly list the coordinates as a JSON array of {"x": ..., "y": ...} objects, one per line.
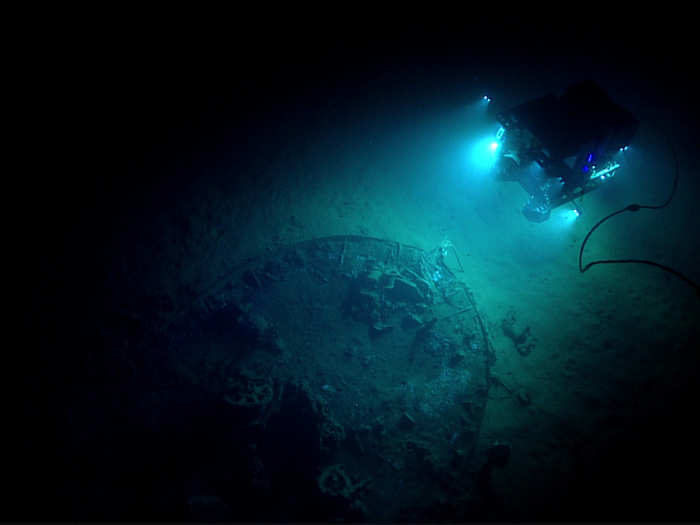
[{"x": 591, "y": 384}]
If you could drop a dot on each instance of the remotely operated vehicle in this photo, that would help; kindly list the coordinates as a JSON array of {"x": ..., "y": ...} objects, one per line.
[{"x": 561, "y": 146}]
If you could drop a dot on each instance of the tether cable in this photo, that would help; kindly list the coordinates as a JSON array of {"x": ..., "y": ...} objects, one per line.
[{"x": 637, "y": 207}]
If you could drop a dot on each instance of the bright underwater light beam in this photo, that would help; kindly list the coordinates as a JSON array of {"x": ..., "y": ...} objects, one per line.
[
  {"x": 566, "y": 217},
  {"x": 483, "y": 154},
  {"x": 572, "y": 215},
  {"x": 485, "y": 151}
]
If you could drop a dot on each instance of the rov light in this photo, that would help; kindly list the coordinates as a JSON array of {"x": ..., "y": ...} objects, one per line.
[
  {"x": 484, "y": 154},
  {"x": 571, "y": 215},
  {"x": 608, "y": 170},
  {"x": 486, "y": 98}
]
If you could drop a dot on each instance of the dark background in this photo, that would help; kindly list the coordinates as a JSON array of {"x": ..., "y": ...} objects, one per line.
[{"x": 141, "y": 98}]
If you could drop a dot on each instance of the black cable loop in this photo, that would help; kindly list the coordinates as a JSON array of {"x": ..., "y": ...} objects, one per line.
[{"x": 637, "y": 207}]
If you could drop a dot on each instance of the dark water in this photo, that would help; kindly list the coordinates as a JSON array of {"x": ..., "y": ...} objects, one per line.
[{"x": 115, "y": 427}]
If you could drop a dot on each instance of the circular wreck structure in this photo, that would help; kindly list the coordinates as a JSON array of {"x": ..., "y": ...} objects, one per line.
[{"x": 350, "y": 375}]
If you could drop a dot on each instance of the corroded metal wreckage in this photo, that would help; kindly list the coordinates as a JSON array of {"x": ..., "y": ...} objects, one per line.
[{"x": 355, "y": 370}]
